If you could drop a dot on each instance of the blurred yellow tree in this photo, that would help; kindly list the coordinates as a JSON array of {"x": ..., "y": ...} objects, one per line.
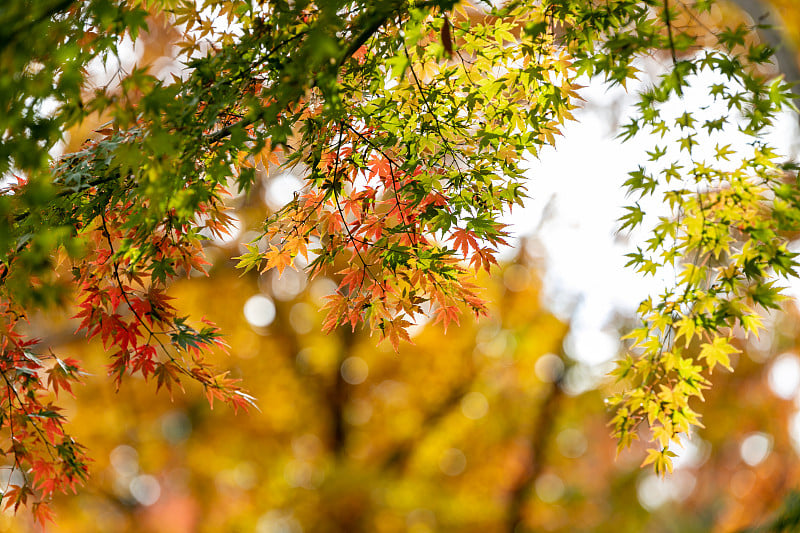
[{"x": 490, "y": 427}]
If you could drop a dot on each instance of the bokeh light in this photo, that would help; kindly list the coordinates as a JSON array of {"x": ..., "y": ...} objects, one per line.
[{"x": 259, "y": 311}]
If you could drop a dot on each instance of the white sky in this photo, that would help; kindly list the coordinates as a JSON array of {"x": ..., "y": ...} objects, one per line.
[{"x": 578, "y": 188}]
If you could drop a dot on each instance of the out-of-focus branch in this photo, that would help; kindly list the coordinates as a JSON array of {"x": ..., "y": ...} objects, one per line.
[
  {"x": 399, "y": 457},
  {"x": 785, "y": 53},
  {"x": 337, "y": 396},
  {"x": 537, "y": 444}
]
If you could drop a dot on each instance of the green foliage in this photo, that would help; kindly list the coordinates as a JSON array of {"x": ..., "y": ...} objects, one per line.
[{"x": 726, "y": 236}]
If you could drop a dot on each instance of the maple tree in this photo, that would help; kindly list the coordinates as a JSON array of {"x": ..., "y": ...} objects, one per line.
[{"x": 410, "y": 122}]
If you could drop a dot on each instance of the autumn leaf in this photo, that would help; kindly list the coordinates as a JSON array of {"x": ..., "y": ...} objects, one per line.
[
  {"x": 718, "y": 352},
  {"x": 395, "y": 330}
]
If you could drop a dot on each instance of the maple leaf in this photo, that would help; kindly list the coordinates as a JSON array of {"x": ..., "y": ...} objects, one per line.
[
  {"x": 717, "y": 352},
  {"x": 144, "y": 360},
  {"x": 42, "y": 513},
  {"x": 395, "y": 330},
  {"x": 483, "y": 258},
  {"x": 661, "y": 459},
  {"x": 267, "y": 157},
  {"x": 380, "y": 166},
  {"x": 353, "y": 278},
  {"x": 464, "y": 239},
  {"x": 296, "y": 245},
  {"x": 337, "y": 307},
  {"x": 279, "y": 258},
  {"x": 52, "y": 423},
  {"x": 166, "y": 375},
  {"x": 446, "y": 314},
  {"x": 61, "y": 374},
  {"x": 44, "y": 477},
  {"x": 16, "y": 495}
]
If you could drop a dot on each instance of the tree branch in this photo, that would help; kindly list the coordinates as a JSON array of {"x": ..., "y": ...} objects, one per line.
[
  {"x": 537, "y": 442},
  {"x": 371, "y": 22}
]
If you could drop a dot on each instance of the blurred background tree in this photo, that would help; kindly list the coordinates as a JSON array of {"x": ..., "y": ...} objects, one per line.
[{"x": 490, "y": 427}]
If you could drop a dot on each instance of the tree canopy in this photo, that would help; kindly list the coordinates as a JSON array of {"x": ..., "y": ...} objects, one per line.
[{"x": 410, "y": 122}]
